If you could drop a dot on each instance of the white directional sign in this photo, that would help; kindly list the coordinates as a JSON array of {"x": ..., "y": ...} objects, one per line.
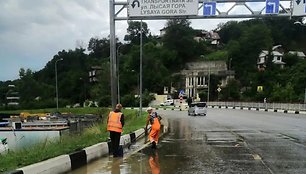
[
  {"x": 209, "y": 8},
  {"x": 272, "y": 6},
  {"x": 299, "y": 8},
  {"x": 146, "y": 8}
]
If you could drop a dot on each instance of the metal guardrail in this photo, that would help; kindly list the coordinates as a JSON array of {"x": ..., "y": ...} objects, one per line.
[{"x": 278, "y": 106}]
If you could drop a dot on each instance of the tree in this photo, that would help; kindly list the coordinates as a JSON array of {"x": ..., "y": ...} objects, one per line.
[
  {"x": 282, "y": 93},
  {"x": 134, "y": 31},
  {"x": 99, "y": 48},
  {"x": 244, "y": 51},
  {"x": 232, "y": 91},
  {"x": 185, "y": 47}
]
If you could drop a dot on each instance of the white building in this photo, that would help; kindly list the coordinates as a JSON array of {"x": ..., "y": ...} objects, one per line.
[
  {"x": 12, "y": 96},
  {"x": 197, "y": 76},
  {"x": 299, "y": 54},
  {"x": 264, "y": 55},
  {"x": 94, "y": 73}
]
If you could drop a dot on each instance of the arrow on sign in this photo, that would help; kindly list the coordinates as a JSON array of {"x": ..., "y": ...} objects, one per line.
[
  {"x": 210, "y": 8},
  {"x": 135, "y": 1},
  {"x": 273, "y": 5},
  {"x": 298, "y": 2}
]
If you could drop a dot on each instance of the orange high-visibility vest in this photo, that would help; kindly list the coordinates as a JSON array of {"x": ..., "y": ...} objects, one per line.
[{"x": 114, "y": 123}]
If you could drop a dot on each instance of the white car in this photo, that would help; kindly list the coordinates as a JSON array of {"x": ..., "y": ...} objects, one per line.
[
  {"x": 199, "y": 108},
  {"x": 167, "y": 103}
]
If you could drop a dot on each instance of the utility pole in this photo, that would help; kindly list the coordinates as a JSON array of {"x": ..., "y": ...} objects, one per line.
[
  {"x": 140, "y": 72},
  {"x": 56, "y": 88}
]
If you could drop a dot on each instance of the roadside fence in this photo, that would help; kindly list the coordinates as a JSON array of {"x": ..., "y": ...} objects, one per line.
[{"x": 266, "y": 106}]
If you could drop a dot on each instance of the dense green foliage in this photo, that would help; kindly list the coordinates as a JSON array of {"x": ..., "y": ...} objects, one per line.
[
  {"x": 164, "y": 57},
  {"x": 245, "y": 40}
]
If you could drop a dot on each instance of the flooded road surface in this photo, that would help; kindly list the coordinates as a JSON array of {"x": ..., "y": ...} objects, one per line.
[{"x": 225, "y": 141}]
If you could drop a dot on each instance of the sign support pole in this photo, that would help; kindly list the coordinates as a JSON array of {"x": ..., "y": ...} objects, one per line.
[
  {"x": 140, "y": 72},
  {"x": 113, "y": 68}
]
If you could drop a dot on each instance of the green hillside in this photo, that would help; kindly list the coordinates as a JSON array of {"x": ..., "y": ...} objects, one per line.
[{"x": 163, "y": 57}]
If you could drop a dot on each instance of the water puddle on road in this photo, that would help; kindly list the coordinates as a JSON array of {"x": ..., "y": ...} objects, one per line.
[{"x": 185, "y": 149}]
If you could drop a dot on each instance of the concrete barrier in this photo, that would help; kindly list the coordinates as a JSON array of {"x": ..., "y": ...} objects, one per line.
[
  {"x": 96, "y": 151},
  {"x": 78, "y": 159},
  {"x": 58, "y": 164}
]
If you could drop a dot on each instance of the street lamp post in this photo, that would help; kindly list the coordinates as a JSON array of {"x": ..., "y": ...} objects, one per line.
[
  {"x": 208, "y": 84},
  {"x": 56, "y": 88},
  {"x": 230, "y": 62},
  {"x": 302, "y": 22},
  {"x": 84, "y": 88},
  {"x": 305, "y": 97}
]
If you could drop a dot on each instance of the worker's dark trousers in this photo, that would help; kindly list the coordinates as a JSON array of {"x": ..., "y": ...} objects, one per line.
[{"x": 115, "y": 140}]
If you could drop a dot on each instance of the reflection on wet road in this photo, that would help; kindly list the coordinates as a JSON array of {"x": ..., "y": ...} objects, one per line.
[{"x": 225, "y": 141}]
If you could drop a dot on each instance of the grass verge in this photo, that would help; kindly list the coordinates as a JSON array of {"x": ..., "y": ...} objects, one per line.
[{"x": 67, "y": 143}]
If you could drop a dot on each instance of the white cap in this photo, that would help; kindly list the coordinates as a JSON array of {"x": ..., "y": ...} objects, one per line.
[{"x": 149, "y": 108}]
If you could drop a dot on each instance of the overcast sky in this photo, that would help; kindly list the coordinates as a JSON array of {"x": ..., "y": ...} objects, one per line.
[{"x": 33, "y": 31}]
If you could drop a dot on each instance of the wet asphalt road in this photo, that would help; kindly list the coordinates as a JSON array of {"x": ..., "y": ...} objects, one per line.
[{"x": 224, "y": 141}]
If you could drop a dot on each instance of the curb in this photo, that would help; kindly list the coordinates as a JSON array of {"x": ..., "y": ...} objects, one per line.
[
  {"x": 168, "y": 109},
  {"x": 240, "y": 108},
  {"x": 66, "y": 163},
  {"x": 260, "y": 109}
]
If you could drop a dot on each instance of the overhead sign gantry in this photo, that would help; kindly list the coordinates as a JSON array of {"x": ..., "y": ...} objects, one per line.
[
  {"x": 192, "y": 9},
  {"x": 201, "y": 9}
]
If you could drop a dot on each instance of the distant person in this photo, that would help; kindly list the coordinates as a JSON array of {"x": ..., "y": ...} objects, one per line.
[
  {"x": 154, "y": 120},
  {"x": 115, "y": 123},
  {"x": 189, "y": 101}
]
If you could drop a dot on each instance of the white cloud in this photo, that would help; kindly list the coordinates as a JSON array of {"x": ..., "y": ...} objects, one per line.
[{"x": 33, "y": 31}]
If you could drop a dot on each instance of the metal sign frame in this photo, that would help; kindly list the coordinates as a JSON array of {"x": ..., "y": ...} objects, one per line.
[
  {"x": 284, "y": 11},
  {"x": 121, "y": 5}
]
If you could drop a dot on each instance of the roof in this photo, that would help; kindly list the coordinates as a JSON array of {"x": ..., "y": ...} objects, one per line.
[
  {"x": 276, "y": 46},
  {"x": 264, "y": 53},
  {"x": 215, "y": 35},
  {"x": 298, "y": 53},
  {"x": 276, "y": 53}
]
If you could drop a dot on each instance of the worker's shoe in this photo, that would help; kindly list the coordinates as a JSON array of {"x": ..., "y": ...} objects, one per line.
[{"x": 153, "y": 145}]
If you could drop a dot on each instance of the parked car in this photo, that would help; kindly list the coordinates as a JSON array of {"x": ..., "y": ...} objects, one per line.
[
  {"x": 198, "y": 108},
  {"x": 168, "y": 103}
]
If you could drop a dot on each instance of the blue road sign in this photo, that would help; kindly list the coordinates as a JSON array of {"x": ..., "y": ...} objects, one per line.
[
  {"x": 209, "y": 8},
  {"x": 272, "y": 6},
  {"x": 182, "y": 92}
]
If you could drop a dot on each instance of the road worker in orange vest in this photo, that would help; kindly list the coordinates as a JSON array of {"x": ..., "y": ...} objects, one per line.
[
  {"x": 154, "y": 120},
  {"x": 115, "y": 123}
]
